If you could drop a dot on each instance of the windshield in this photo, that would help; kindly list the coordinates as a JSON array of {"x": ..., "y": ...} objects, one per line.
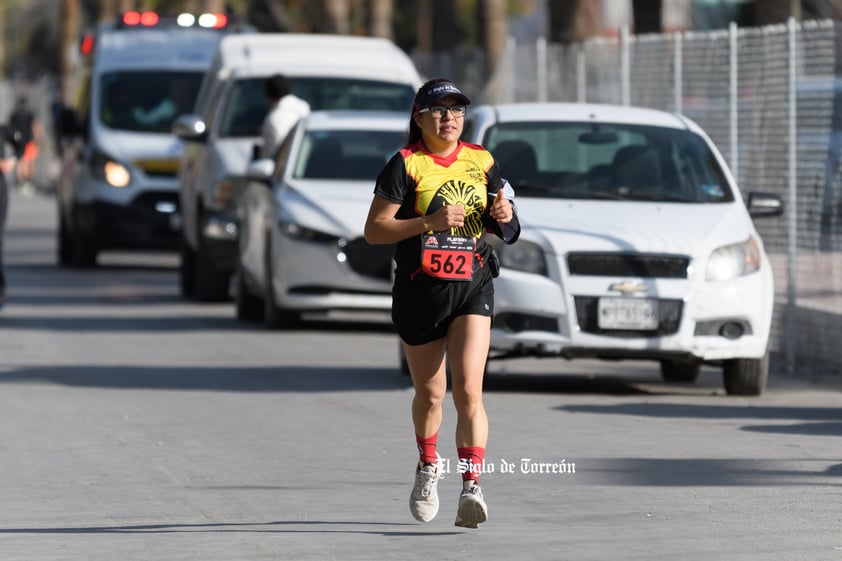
[
  {"x": 346, "y": 154},
  {"x": 247, "y": 106},
  {"x": 607, "y": 161},
  {"x": 147, "y": 101}
]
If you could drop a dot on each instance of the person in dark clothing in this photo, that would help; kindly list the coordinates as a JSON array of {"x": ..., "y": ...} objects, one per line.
[
  {"x": 22, "y": 126},
  {"x": 7, "y": 164}
]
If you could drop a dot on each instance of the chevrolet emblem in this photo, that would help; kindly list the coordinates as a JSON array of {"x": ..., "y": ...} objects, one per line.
[{"x": 627, "y": 287}]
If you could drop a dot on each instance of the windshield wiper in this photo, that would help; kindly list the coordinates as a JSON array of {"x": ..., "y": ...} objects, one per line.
[{"x": 598, "y": 195}]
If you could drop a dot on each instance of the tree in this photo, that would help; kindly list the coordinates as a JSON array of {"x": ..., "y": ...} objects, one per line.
[
  {"x": 773, "y": 11},
  {"x": 494, "y": 31},
  {"x": 337, "y": 16},
  {"x": 573, "y": 21},
  {"x": 70, "y": 25},
  {"x": 380, "y": 18},
  {"x": 647, "y": 16}
]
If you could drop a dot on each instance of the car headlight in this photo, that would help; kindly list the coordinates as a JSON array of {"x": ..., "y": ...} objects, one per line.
[
  {"x": 523, "y": 256},
  {"x": 109, "y": 170},
  {"x": 299, "y": 232},
  {"x": 735, "y": 260}
]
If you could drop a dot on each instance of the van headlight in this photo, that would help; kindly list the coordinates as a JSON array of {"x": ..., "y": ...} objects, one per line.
[
  {"x": 523, "y": 256},
  {"x": 110, "y": 170},
  {"x": 735, "y": 260}
]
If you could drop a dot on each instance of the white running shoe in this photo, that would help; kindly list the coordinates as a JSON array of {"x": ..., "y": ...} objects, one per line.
[
  {"x": 424, "y": 500},
  {"x": 472, "y": 508}
]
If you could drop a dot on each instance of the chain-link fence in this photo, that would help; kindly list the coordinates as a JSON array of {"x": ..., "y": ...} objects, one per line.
[{"x": 770, "y": 100}]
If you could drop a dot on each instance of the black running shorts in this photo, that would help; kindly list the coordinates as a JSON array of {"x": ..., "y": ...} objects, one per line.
[{"x": 423, "y": 307}]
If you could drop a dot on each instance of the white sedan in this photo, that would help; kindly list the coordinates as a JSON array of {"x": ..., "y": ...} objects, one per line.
[
  {"x": 636, "y": 242},
  {"x": 301, "y": 244}
]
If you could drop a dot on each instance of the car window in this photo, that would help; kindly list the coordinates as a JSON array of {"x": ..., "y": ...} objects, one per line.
[
  {"x": 614, "y": 161},
  {"x": 246, "y": 105},
  {"x": 348, "y": 93},
  {"x": 146, "y": 101},
  {"x": 245, "y": 108},
  {"x": 346, "y": 154}
]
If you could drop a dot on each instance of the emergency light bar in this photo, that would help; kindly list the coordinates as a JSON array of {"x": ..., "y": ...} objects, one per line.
[{"x": 136, "y": 18}]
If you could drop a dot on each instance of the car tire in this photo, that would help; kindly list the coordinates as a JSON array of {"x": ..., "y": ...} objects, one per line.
[
  {"x": 275, "y": 316},
  {"x": 683, "y": 371},
  {"x": 249, "y": 307},
  {"x": 746, "y": 376},
  {"x": 210, "y": 284},
  {"x": 65, "y": 243},
  {"x": 84, "y": 250},
  {"x": 187, "y": 270}
]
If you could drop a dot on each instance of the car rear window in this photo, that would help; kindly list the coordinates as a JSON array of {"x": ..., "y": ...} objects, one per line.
[
  {"x": 346, "y": 154},
  {"x": 607, "y": 161}
]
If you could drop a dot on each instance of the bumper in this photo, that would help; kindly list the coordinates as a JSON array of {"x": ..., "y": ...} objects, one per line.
[
  {"x": 151, "y": 221},
  {"x": 219, "y": 241},
  {"x": 316, "y": 276},
  {"x": 536, "y": 316}
]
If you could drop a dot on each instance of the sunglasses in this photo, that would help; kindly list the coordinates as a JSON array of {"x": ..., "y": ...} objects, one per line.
[{"x": 440, "y": 110}]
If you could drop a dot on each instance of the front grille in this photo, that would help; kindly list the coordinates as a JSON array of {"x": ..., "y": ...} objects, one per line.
[
  {"x": 669, "y": 313},
  {"x": 370, "y": 260},
  {"x": 628, "y": 265},
  {"x": 150, "y": 199},
  {"x": 162, "y": 167}
]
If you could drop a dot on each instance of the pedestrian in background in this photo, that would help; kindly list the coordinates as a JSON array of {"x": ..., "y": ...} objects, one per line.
[
  {"x": 25, "y": 131},
  {"x": 435, "y": 199},
  {"x": 285, "y": 109},
  {"x": 8, "y": 161}
]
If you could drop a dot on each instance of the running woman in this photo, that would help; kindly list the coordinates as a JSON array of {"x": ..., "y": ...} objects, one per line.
[{"x": 435, "y": 199}]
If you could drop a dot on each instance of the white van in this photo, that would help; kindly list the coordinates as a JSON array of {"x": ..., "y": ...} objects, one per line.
[
  {"x": 328, "y": 71},
  {"x": 118, "y": 188}
]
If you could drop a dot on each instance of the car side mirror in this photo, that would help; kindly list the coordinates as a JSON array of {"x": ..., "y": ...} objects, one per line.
[
  {"x": 261, "y": 171},
  {"x": 761, "y": 204},
  {"x": 190, "y": 127}
]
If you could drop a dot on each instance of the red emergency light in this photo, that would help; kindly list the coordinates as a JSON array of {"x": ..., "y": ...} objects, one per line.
[
  {"x": 87, "y": 45},
  {"x": 134, "y": 17}
]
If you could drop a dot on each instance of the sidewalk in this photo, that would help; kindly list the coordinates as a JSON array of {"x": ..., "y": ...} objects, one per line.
[{"x": 818, "y": 311}]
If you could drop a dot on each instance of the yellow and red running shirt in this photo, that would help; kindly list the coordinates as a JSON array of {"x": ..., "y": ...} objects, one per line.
[{"x": 422, "y": 183}]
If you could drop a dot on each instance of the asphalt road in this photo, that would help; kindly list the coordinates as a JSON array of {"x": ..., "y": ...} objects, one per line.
[{"x": 137, "y": 426}]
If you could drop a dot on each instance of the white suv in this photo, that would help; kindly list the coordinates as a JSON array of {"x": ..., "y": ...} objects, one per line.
[{"x": 328, "y": 71}]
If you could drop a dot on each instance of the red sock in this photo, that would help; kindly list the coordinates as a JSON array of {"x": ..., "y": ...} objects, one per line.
[
  {"x": 470, "y": 458},
  {"x": 427, "y": 447}
]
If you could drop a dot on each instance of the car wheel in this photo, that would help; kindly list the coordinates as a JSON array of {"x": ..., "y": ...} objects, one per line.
[
  {"x": 83, "y": 250},
  {"x": 187, "y": 269},
  {"x": 685, "y": 371},
  {"x": 65, "y": 243},
  {"x": 210, "y": 284},
  {"x": 249, "y": 307},
  {"x": 746, "y": 376},
  {"x": 274, "y": 315}
]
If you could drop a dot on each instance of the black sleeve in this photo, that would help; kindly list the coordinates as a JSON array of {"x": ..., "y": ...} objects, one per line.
[
  {"x": 392, "y": 182},
  {"x": 509, "y": 232}
]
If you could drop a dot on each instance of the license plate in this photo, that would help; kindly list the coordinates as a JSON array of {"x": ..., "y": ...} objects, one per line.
[{"x": 628, "y": 313}]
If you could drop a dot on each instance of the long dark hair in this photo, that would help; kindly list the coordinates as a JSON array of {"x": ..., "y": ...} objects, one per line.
[{"x": 414, "y": 130}]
